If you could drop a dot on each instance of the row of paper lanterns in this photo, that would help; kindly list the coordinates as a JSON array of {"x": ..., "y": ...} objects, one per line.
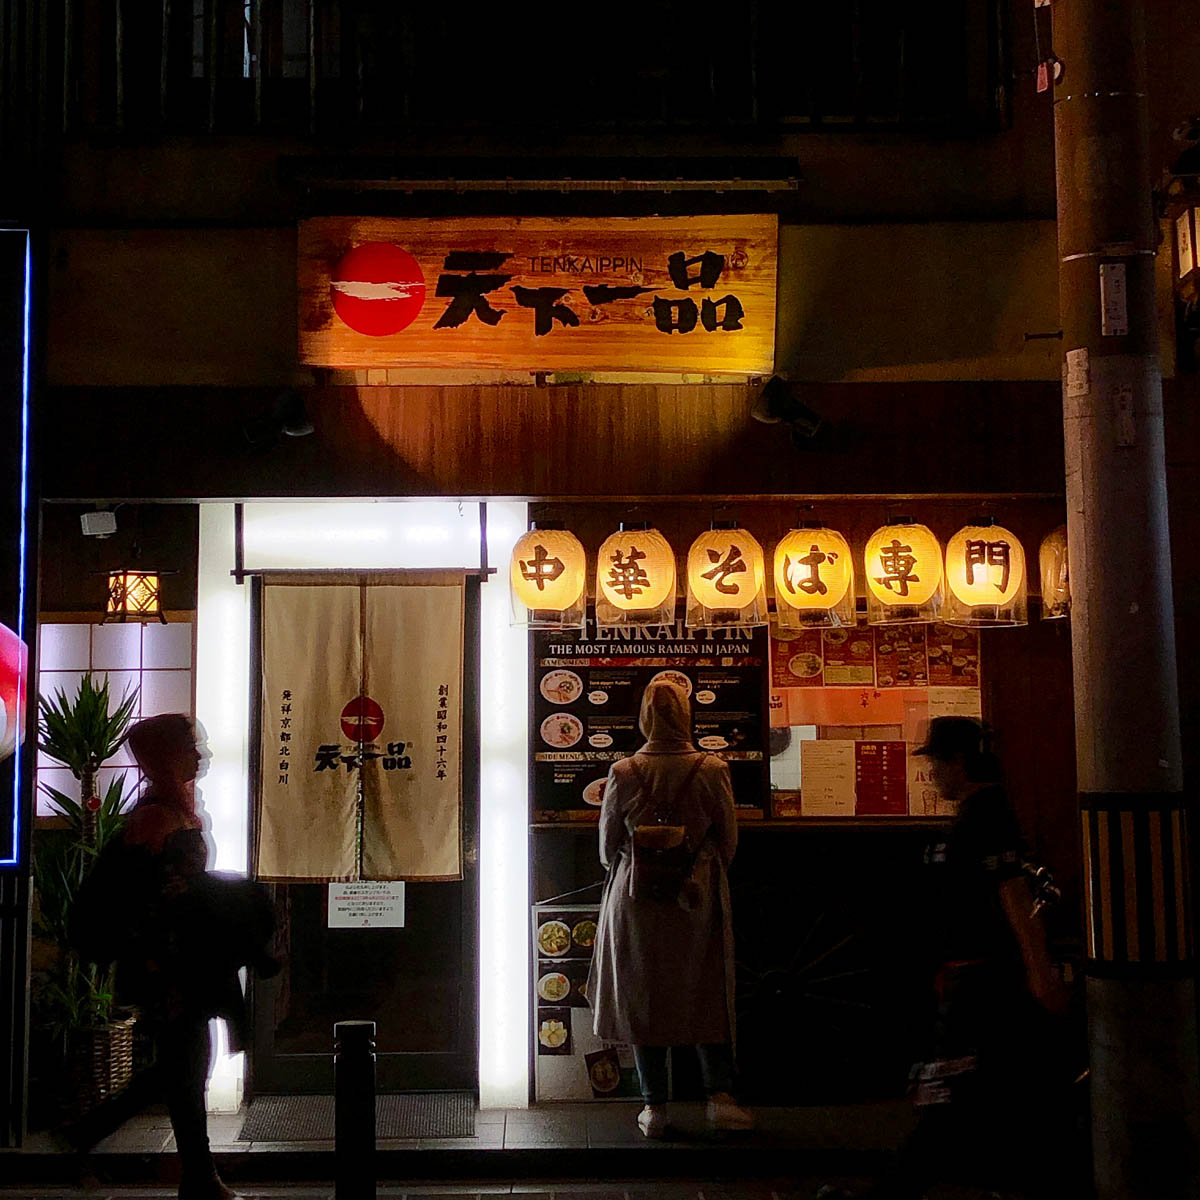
[{"x": 980, "y": 579}]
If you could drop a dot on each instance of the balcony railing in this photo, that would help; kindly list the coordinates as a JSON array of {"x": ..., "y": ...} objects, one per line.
[
  {"x": 351, "y": 67},
  {"x": 486, "y": 80}
]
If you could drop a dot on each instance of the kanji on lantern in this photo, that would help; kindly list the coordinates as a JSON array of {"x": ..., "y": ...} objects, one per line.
[
  {"x": 542, "y": 568},
  {"x": 980, "y": 553},
  {"x": 731, "y": 564},
  {"x": 626, "y": 575},
  {"x": 897, "y": 561}
]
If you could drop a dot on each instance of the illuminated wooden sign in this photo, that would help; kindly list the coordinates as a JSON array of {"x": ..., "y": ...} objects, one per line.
[{"x": 646, "y": 294}]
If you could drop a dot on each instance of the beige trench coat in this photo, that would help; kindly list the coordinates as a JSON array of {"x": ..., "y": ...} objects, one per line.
[{"x": 662, "y": 975}]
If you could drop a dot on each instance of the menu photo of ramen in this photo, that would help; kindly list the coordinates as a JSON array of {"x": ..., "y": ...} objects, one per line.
[
  {"x": 604, "y": 1072},
  {"x": 561, "y": 730},
  {"x": 676, "y": 677},
  {"x": 561, "y": 686},
  {"x": 563, "y": 982},
  {"x": 553, "y": 986}
]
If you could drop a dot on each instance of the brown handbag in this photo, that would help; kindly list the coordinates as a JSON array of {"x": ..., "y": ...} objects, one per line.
[{"x": 662, "y": 859}]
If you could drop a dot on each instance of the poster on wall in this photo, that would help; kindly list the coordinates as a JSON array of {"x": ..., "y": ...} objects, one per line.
[
  {"x": 361, "y": 727},
  {"x": 571, "y": 1063},
  {"x": 586, "y": 692},
  {"x": 864, "y": 696},
  {"x": 624, "y": 294},
  {"x": 16, "y": 527}
]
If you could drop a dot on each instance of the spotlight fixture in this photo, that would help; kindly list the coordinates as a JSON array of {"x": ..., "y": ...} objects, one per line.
[
  {"x": 292, "y": 413},
  {"x": 780, "y": 403},
  {"x": 288, "y": 416}
]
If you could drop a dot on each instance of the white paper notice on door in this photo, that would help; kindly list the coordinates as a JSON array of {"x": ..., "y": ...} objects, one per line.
[
  {"x": 827, "y": 778},
  {"x": 365, "y": 904},
  {"x": 955, "y": 702}
]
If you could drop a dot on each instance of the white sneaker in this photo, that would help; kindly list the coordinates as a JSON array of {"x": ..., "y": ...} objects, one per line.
[
  {"x": 652, "y": 1120},
  {"x": 723, "y": 1112}
]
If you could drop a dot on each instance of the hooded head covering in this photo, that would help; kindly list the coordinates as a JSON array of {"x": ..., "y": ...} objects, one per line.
[{"x": 666, "y": 717}]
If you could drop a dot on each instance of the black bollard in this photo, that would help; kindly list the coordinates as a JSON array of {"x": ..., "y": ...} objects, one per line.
[{"x": 354, "y": 1110}]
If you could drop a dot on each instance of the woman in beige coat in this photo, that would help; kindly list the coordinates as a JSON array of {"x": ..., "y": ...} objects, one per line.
[{"x": 662, "y": 971}]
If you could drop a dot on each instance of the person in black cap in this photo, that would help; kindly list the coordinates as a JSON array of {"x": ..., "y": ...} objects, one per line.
[{"x": 987, "y": 954}]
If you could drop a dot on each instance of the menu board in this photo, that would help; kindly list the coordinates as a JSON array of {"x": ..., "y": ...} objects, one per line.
[
  {"x": 849, "y": 657},
  {"x": 587, "y": 692},
  {"x": 875, "y": 656},
  {"x": 953, "y": 656},
  {"x": 796, "y": 658},
  {"x": 572, "y": 1063},
  {"x": 867, "y": 693},
  {"x": 828, "y": 768},
  {"x": 900, "y": 659},
  {"x": 880, "y": 778}
]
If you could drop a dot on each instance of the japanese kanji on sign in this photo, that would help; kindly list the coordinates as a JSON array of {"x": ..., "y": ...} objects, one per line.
[
  {"x": 617, "y": 294},
  {"x": 361, "y": 720}
]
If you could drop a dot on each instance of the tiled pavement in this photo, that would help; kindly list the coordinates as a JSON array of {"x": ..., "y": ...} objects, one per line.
[
  {"x": 866, "y": 1128},
  {"x": 792, "y": 1189},
  {"x": 517, "y": 1151}
]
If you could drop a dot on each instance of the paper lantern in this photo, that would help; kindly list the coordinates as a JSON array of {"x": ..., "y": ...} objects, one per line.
[
  {"x": 814, "y": 579},
  {"x": 904, "y": 574},
  {"x": 1056, "y": 576},
  {"x": 14, "y": 682},
  {"x": 726, "y": 579},
  {"x": 547, "y": 578},
  {"x": 134, "y": 594},
  {"x": 635, "y": 578},
  {"x": 985, "y": 575}
]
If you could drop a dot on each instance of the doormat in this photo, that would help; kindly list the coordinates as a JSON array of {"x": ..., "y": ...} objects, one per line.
[{"x": 404, "y": 1115}]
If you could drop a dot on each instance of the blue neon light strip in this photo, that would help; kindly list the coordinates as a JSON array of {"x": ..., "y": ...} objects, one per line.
[{"x": 22, "y": 543}]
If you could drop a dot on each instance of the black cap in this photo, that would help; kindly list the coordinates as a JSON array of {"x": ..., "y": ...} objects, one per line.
[{"x": 951, "y": 736}]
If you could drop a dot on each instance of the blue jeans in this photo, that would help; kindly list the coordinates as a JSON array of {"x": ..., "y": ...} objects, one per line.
[{"x": 716, "y": 1070}]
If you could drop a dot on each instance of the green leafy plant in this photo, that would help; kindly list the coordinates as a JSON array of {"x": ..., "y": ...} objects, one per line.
[
  {"x": 83, "y": 734},
  {"x": 63, "y": 857}
]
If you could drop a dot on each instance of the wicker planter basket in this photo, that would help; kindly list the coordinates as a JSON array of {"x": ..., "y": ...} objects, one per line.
[{"x": 101, "y": 1062}]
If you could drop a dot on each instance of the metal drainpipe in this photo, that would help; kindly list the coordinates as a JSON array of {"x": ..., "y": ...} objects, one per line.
[{"x": 1133, "y": 816}]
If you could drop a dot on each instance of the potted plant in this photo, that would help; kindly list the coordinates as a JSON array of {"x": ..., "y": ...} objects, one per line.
[{"x": 74, "y": 1000}]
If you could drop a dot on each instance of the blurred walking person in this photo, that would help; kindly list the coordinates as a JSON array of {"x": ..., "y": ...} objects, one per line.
[
  {"x": 182, "y": 936},
  {"x": 988, "y": 961}
]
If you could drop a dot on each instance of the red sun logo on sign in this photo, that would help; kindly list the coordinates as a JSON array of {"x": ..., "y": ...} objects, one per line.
[
  {"x": 378, "y": 288},
  {"x": 362, "y": 720}
]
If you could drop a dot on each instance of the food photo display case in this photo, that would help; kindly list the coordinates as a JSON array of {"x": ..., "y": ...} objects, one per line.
[{"x": 570, "y": 1062}]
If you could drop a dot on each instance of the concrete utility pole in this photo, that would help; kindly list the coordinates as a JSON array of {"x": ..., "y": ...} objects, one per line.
[{"x": 1141, "y": 1003}]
